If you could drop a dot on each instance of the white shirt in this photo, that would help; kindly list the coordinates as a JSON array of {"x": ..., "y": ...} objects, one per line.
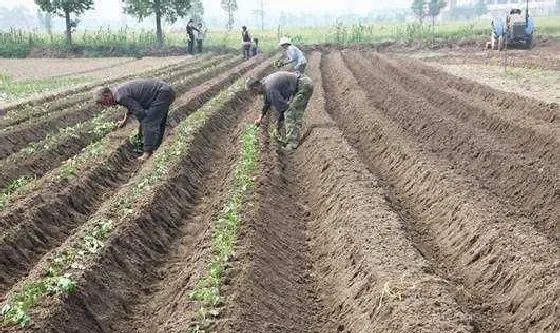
[{"x": 295, "y": 55}]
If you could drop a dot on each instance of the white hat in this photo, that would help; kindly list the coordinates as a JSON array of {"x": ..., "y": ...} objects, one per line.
[{"x": 284, "y": 41}]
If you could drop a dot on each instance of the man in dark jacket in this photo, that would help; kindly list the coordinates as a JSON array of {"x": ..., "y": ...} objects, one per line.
[
  {"x": 148, "y": 100},
  {"x": 289, "y": 94},
  {"x": 246, "y": 42},
  {"x": 190, "y": 33}
]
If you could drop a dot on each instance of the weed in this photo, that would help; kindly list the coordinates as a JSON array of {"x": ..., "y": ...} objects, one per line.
[{"x": 14, "y": 186}]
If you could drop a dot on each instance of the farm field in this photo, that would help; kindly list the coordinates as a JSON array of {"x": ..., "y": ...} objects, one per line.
[
  {"x": 534, "y": 74},
  {"x": 418, "y": 201},
  {"x": 30, "y": 77}
]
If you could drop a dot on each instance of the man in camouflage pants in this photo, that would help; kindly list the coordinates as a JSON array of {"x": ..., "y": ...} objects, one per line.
[{"x": 289, "y": 94}]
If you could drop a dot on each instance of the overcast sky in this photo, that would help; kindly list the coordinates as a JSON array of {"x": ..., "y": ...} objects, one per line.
[{"x": 111, "y": 8}]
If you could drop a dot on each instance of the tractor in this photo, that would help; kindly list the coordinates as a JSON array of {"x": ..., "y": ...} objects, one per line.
[{"x": 516, "y": 31}]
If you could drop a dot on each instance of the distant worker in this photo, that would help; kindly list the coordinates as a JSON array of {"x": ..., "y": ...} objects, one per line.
[
  {"x": 289, "y": 94},
  {"x": 293, "y": 57},
  {"x": 190, "y": 34},
  {"x": 200, "y": 36},
  {"x": 246, "y": 42},
  {"x": 255, "y": 47},
  {"x": 148, "y": 100}
]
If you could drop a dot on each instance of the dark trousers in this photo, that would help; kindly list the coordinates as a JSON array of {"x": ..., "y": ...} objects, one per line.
[
  {"x": 247, "y": 51},
  {"x": 153, "y": 125},
  {"x": 199, "y": 45},
  {"x": 190, "y": 45}
]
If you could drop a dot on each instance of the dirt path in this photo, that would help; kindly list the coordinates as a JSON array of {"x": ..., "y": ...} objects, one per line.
[
  {"x": 475, "y": 149},
  {"x": 536, "y": 83},
  {"x": 96, "y": 68},
  {"x": 273, "y": 283},
  {"x": 315, "y": 257},
  {"x": 163, "y": 305},
  {"x": 499, "y": 260}
]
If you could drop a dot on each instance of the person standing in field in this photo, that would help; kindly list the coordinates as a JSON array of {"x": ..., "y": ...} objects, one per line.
[
  {"x": 293, "y": 57},
  {"x": 289, "y": 94},
  {"x": 255, "y": 47},
  {"x": 200, "y": 36},
  {"x": 190, "y": 34},
  {"x": 148, "y": 100},
  {"x": 246, "y": 42}
]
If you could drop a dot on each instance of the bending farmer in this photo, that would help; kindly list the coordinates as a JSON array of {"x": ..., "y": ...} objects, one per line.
[
  {"x": 148, "y": 100},
  {"x": 289, "y": 94},
  {"x": 293, "y": 56}
]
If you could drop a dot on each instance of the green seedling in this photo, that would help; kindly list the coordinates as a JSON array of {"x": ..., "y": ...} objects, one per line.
[
  {"x": 207, "y": 291},
  {"x": 14, "y": 186}
]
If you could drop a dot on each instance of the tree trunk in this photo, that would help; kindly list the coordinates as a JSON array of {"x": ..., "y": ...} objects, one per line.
[
  {"x": 433, "y": 31},
  {"x": 159, "y": 31},
  {"x": 68, "y": 28}
]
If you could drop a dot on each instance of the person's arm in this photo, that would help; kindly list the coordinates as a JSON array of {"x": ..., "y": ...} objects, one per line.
[
  {"x": 290, "y": 57},
  {"x": 133, "y": 107},
  {"x": 123, "y": 122}
]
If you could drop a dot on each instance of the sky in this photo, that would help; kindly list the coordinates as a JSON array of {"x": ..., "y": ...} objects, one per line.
[{"x": 111, "y": 8}]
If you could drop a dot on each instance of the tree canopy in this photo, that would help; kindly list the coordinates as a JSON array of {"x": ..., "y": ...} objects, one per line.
[
  {"x": 66, "y": 8},
  {"x": 170, "y": 10},
  {"x": 230, "y": 6}
]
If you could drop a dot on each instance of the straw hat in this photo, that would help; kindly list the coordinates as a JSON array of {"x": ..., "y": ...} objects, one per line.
[{"x": 285, "y": 41}]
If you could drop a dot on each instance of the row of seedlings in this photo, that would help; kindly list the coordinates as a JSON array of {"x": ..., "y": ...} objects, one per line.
[
  {"x": 60, "y": 273},
  {"x": 226, "y": 229}
]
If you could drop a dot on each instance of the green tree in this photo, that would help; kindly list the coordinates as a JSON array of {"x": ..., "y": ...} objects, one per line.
[
  {"x": 170, "y": 10},
  {"x": 480, "y": 8},
  {"x": 419, "y": 9},
  {"x": 45, "y": 19},
  {"x": 259, "y": 12},
  {"x": 66, "y": 8},
  {"x": 434, "y": 8},
  {"x": 197, "y": 11},
  {"x": 230, "y": 6}
]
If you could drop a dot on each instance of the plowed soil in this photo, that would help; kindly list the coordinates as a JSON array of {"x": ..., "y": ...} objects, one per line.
[{"x": 417, "y": 202}]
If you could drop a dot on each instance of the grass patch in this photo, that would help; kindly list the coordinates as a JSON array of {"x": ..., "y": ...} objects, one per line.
[
  {"x": 129, "y": 41},
  {"x": 13, "y": 90},
  {"x": 226, "y": 231}
]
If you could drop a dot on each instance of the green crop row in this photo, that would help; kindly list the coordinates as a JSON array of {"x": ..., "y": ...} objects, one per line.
[
  {"x": 63, "y": 268},
  {"x": 226, "y": 231}
]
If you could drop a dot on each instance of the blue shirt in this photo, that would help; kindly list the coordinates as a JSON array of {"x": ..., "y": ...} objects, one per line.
[{"x": 295, "y": 55}]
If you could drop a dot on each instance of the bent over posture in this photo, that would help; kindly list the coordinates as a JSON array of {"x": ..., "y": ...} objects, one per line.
[
  {"x": 293, "y": 57},
  {"x": 289, "y": 94},
  {"x": 148, "y": 100}
]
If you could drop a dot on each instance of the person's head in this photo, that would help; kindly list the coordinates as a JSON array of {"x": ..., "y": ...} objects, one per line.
[
  {"x": 244, "y": 28},
  {"x": 104, "y": 96},
  {"x": 190, "y": 21},
  {"x": 255, "y": 86},
  {"x": 285, "y": 42},
  {"x": 200, "y": 25}
]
